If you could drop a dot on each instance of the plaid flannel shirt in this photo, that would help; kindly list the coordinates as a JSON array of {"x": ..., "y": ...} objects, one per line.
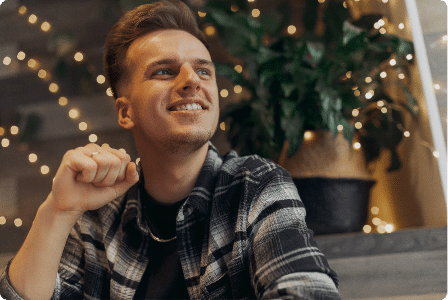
[{"x": 241, "y": 234}]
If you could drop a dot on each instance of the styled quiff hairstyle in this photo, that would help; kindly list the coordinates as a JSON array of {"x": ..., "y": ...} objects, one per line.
[{"x": 166, "y": 14}]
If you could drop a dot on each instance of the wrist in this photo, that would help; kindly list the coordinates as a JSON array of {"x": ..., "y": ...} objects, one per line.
[{"x": 51, "y": 210}]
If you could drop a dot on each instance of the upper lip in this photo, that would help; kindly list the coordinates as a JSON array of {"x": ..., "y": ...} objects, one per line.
[{"x": 188, "y": 101}]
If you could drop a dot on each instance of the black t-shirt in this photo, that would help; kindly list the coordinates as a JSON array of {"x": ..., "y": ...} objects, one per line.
[{"x": 163, "y": 277}]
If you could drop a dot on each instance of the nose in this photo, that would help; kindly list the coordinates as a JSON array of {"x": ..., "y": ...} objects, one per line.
[{"x": 189, "y": 80}]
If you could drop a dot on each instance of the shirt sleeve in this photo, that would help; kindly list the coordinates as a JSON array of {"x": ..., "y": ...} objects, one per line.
[
  {"x": 284, "y": 258},
  {"x": 69, "y": 278}
]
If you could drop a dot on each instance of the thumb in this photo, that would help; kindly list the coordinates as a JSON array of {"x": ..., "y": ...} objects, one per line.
[{"x": 131, "y": 178}]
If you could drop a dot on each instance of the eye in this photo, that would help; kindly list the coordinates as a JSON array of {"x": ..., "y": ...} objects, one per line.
[
  {"x": 163, "y": 72},
  {"x": 204, "y": 72}
]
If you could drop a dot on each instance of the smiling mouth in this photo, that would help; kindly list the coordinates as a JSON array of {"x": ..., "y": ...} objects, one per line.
[{"x": 193, "y": 106}]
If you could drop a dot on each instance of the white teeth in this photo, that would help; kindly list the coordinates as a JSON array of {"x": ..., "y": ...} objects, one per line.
[{"x": 193, "y": 106}]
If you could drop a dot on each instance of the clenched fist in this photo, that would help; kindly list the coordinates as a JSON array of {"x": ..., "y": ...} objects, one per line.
[{"x": 90, "y": 177}]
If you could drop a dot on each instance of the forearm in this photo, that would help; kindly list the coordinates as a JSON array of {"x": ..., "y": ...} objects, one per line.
[{"x": 33, "y": 270}]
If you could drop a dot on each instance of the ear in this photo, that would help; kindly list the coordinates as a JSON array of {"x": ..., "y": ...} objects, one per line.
[{"x": 125, "y": 113}]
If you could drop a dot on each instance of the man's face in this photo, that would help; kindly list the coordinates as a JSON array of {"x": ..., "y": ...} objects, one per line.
[{"x": 171, "y": 89}]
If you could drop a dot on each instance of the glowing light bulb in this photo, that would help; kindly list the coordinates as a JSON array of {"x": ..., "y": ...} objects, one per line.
[
  {"x": 202, "y": 14},
  {"x": 18, "y": 222},
  {"x": 93, "y": 138},
  {"x": 237, "y": 89},
  {"x": 357, "y": 146},
  {"x": 79, "y": 56},
  {"x": 32, "y": 63},
  {"x": 63, "y": 101},
  {"x": 409, "y": 57},
  {"x": 380, "y": 103},
  {"x": 5, "y": 142},
  {"x": 389, "y": 228},
  {"x": 357, "y": 93},
  {"x": 348, "y": 74},
  {"x": 44, "y": 170},
  {"x": 401, "y": 76},
  {"x": 255, "y": 13},
  {"x": 437, "y": 86},
  {"x": 367, "y": 228},
  {"x": 384, "y": 110},
  {"x": 340, "y": 127},
  {"x": 369, "y": 95},
  {"x": 22, "y": 10},
  {"x": 73, "y": 113},
  {"x": 21, "y": 55},
  {"x": 383, "y": 30},
  {"x": 224, "y": 93},
  {"x": 109, "y": 92},
  {"x": 42, "y": 73},
  {"x": 355, "y": 112},
  {"x": 308, "y": 135},
  {"x": 210, "y": 30},
  {"x": 383, "y": 74},
  {"x": 2, "y": 220},
  {"x": 436, "y": 154},
  {"x": 358, "y": 125},
  {"x": 392, "y": 62},
  {"x": 32, "y": 158},
  {"x": 2, "y": 131},
  {"x": 238, "y": 68},
  {"x": 375, "y": 210},
  {"x": 82, "y": 126},
  {"x": 53, "y": 87},
  {"x": 368, "y": 79},
  {"x": 292, "y": 29},
  {"x": 222, "y": 126},
  {"x": 45, "y": 26},
  {"x": 101, "y": 79},
  {"x": 401, "y": 26},
  {"x": 407, "y": 134},
  {"x": 7, "y": 60},
  {"x": 14, "y": 130},
  {"x": 32, "y": 19}
]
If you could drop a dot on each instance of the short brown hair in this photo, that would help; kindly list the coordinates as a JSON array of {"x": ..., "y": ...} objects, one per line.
[{"x": 166, "y": 14}]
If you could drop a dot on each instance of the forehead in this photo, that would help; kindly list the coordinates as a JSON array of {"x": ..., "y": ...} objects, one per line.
[{"x": 167, "y": 43}]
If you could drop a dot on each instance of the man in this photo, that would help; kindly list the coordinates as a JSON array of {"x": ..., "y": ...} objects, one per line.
[{"x": 185, "y": 223}]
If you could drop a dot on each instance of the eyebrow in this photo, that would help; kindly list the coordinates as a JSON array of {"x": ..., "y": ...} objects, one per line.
[{"x": 168, "y": 61}]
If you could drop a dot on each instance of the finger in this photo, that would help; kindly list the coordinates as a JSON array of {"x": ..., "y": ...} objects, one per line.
[
  {"x": 108, "y": 168},
  {"x": 124, "y": 158},
  {"x": 82, "y": 165},
  {"x": 131, "y": 178}
]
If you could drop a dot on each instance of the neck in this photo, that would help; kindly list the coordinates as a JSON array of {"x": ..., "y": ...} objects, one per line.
[{"x": 170, "y": 177}]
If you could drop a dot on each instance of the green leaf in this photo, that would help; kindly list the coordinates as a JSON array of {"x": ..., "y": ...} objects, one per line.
[
  {"x": 288, "y": 88},
  {"x": 316, "y": 51}
]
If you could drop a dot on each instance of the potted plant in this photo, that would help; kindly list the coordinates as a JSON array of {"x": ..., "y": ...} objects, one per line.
[{"x": 329, "y": 85}]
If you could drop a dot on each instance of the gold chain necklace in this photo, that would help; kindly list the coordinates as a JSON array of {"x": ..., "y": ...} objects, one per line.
[{"x": 158, "y": 239}]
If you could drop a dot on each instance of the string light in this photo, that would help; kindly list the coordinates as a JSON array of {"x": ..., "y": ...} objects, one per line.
[
  {"x": 32, "y": 157},
  {"x": 376, "y": 221},
  {"x": 82, "y": 126},
  {"x": 79, "y": 56},
  {"x": 367, "y": 228},
  {"x": 93, "y": 138},
  {"x": 308, "y": 135},
  {"x": 32, "y": 63},
  {"x": 383, "y": 74},
  {"x": 101, "y": 79},
  {"x": 6, "y": 60},
  {"x": 44, "y": 170},
  {"x": 401, "y": 76},
  {"x": 5, "y": 142},
  {"x": 109, "y": 92},
  {"x": 18, "y": 222},
  {"x": 368, "y": 79},
  {"x": 255, "y": 13},
  {"x": 407, "y": 134},
  {"x": 2, "y": 220},
  {"x": 202, "y": 14},
  {"x": 340, "y": 127},
  {"x": 436, "y": 154},
  {"x": 22, "y": 10},
  {"x": 409, "y": 56},
  {"x": 45, "y": 26},
  {"x": 384, "y": 110},
  {"x": 21, "y": 55},
  {"x": 349, "y": 75},
  {"x": 292, "y": 29},
  {"x": 73, "y": 113},
  {"x": 53, "y": 87},
  {"x": 321, "y": 1},
  {"x": 437, "y": 86},
  {"x": 237, "y": 89},
  {"x": 355, "y": 112},
  {"x": 32, "y": 19},
  {"x": 344, "y": 4},
  {"x": 381, "y": 22},
  {"x": 380, "y": 103},
  {"x": 357, "y": 93},
  {"x": 238, "y": 68},
  {"x": 401, "y": 26},
  {"x": 222, "y": 126},
  {"x": 224, "y": 93},
  {"x": 369, "y": 95},
  {"x": 2, "y": 131},
  {"x": 385, "y": 1},
  {"x": 358, "y": 125},
  {"x": 383, "y": 30},
  {"x": 375, "y": 210},
  {"x": 234, "y": 8},
  {"x": 210, "y": 30},
  {"x": 63, "y": 101},
  {"x": 357, "y": 146},
  {"x": 389, "y": 228},
  {"x": 14, "y": 130},
  {"x": 42, "y": 73},
  {"x": 392, "y": 62}
]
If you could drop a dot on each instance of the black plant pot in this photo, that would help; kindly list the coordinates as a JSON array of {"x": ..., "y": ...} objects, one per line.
[{"x": 334, "y": 205}]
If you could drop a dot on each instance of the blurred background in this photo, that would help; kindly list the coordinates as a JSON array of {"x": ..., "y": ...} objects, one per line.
[{"x": 370, "y": 72}]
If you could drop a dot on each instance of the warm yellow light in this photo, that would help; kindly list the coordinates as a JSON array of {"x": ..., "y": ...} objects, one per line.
[
  {"x": 380, "y": 103},
  {"x": 93, "y": 138},
  {"x": 384, "y": 110},
  {"x": 367, "y": 228},
  {"x": 401, "y": 76},
  {"x": 401, "y": 26},
  {"x": 369, "y": 95},
  {"x": 210, "y": 30},
  {"x": 355, "y": 112},
  {"x": 73, "y": 113},
  {"x": 44, "y": 169},
  {"x": 344, "y": 4},
  {"x": 368, "y": 79},
  {"x": 385, "y": 1},
  {"x": 21, "y": 55},
  {"x": 32, "y": 158},
  {"x": 358, "y": 125},
  {"x": 445, "y": 38},
  {"x": 53, "y": 87},
  {"x": 5, "y": 142},
  {"x": 42, "y": 73},
  {"x": 234, "y": 8},
  {"x": 202, "y": 14},
  {"x": 18, "y": 222},
  {"x": 376, "y": 221},
  {"x": 32, "y": 63},
  {"x": 376, "y": 25},
  {"x": 255, "y": 13},
  {"x": 14, "y": 130},
  {"x": 63, "y": 101},
  {"x": 409, "y": 57},
  {"x": 82, "y": 126},
  {"x": 383, "y": 30},
  {"x": 22, "y": 10},
  {"x": 292, "y": 29},
  {"x": 375, "y": 210},
  {"x": 357, "y": 93},
  {"x": 224, "y": 93},
  {"x": 407, "y": 133},
  {"x": 392, "y": 62},
  {"x": 7, "y": 60},
  {"x": 32, "y": 19},
  {"x": 308, "y": 135},
  {"x": 250, "y": 0},
  {"x": 357, "y": 146},
  {"x": 381, "y": 22},
  {"x": 437, "y": 86},
  {"x": 321, "y": 1},
  {"x": 222, "y": 126},
  {"x": 237, "y": 89},
  {"x": 238, "y": 68},
  {"x": 348, "y": 74},
  {"x": 2, "y": 220},
  {"x": 436, "y": 154},
  {"x": 137, "y": 161},
  {"x": 79, "y": 56},
  {"x": 2, "y": 131},
  {"x": 340, "y": 127},
  {"x": 389, "y": 228},
  {"x": 109, "y": 92},
  {"x": 383, "y": 74},
  {"x": 101, "y": 79},
  {"x": 45, "y": 26},
  {"x": 381, "y": 229}
]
